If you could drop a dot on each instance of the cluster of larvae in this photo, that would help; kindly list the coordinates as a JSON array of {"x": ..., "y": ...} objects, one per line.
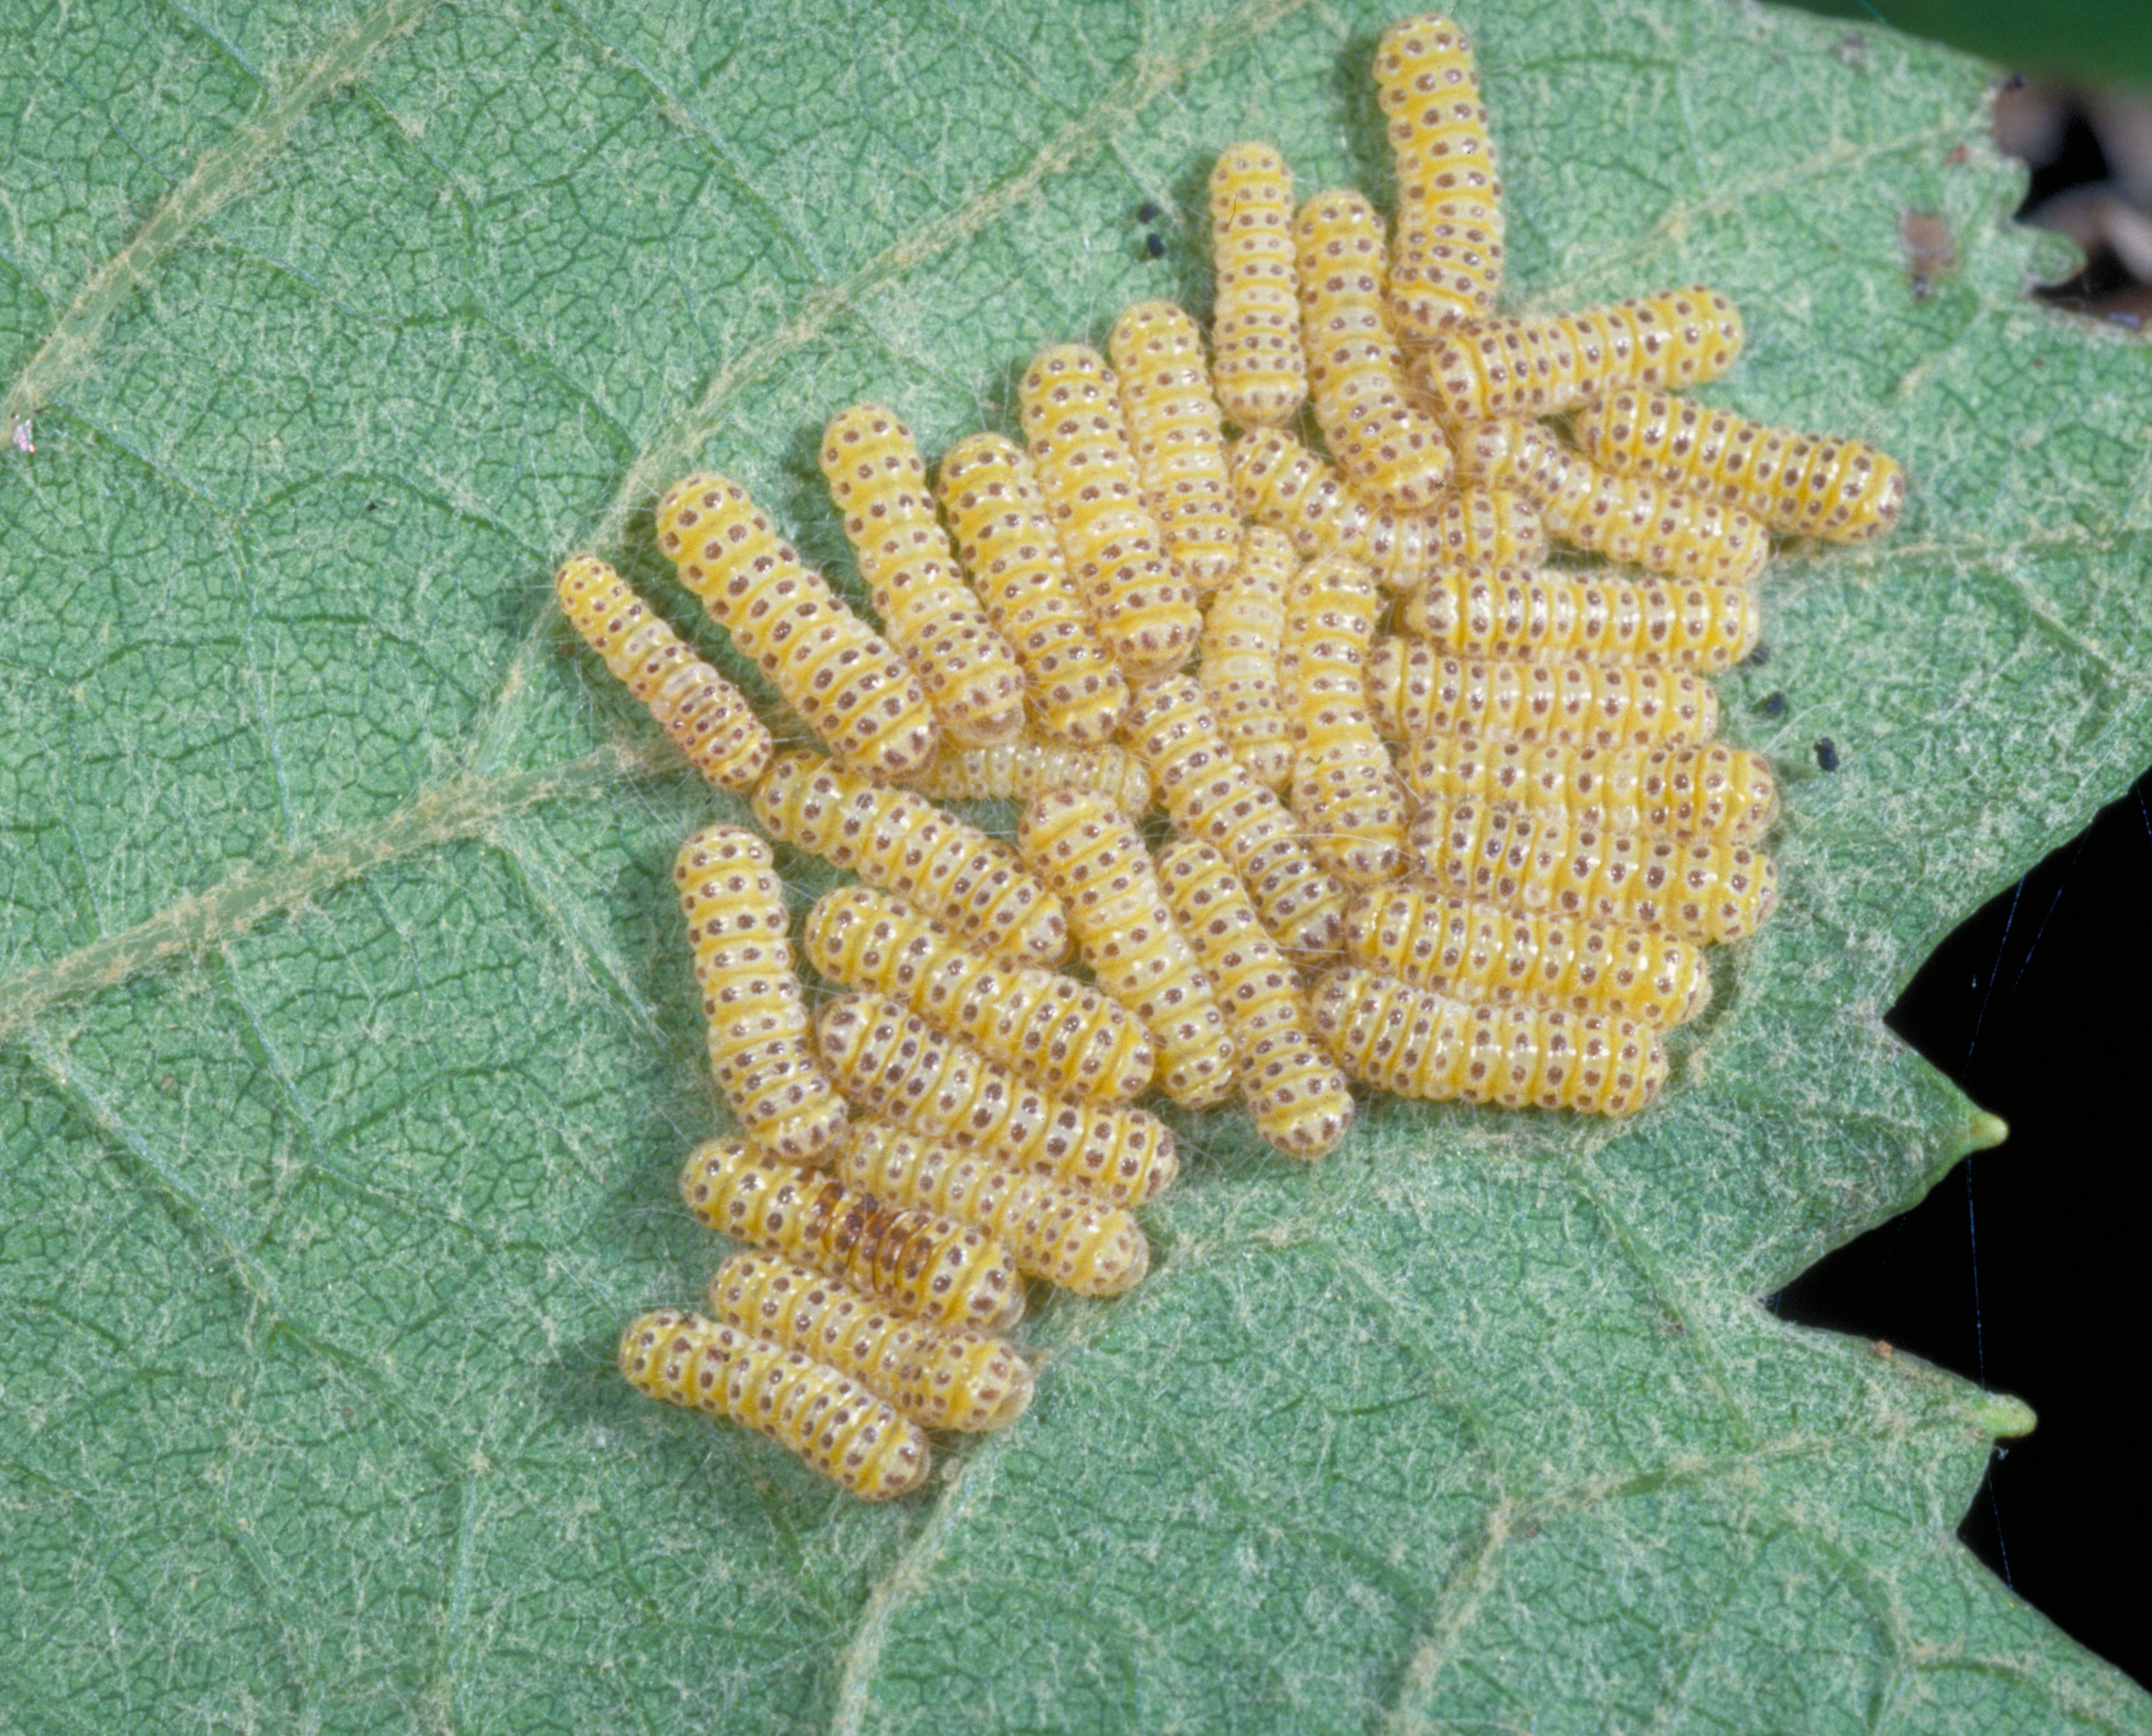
[{"x": 1446, "y": 820}]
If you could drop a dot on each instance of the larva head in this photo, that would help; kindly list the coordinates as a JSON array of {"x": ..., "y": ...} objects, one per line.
[
  {"x": 1249, "y": 179},
  {"x": 583, "y": 584},
  {"x": 703, "y": 519},
  {"x": 856, "y": 935},
  {"x": 867, "y": 453},
  {"x": 717, "y": 1170},
  {"x": 719, "y": 849},
  {"x": 1420, "y": 58},
  {"x": 1077, "y": 841},
  {"x": 1149, "y": 333},
  {"x": 656, "y": 1350},
  {"x": 798, "y": 799},
  {"x": 1065, "y": 380}
]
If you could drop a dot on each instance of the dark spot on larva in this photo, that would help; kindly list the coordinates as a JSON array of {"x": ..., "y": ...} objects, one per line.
[
  {"x": 1149, "y": 212},
  {"x": 1772, "y": 704},
  {"x": 1154, "y": 245},
  {"x": 1826, "y": 754}
]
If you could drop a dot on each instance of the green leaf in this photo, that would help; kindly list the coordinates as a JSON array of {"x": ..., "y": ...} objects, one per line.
[{"x": 346, "y": 1046}]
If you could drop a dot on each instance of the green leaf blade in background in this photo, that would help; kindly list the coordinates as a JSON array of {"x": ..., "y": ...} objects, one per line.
[{"x": 348, "y": 1049}]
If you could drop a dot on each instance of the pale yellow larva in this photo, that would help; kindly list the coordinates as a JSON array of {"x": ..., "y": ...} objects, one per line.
[
  {"x": 1238, "y": 670},
  {"x": 1416, "y": 689},
  {"x": 1554, "y": 616},
  {"x": 1020, "y": 770},
  {"x": 1174, "y": 426},
  {"x": 1262, "y": 371},
  {"x": 1446, "y": 267},
  {"x": 1705, "y": 791}
]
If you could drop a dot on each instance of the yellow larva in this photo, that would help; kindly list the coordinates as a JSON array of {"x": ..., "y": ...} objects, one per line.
[
  {"x": 1345, "y": 790},
  {"x": 708, "y": 719},
  {"x": 1057, "y": 1230},
  {"x": 1707, "y": 792},
  {"x": 1212, "y": 798},
  {"x": 759, "y": 1052},
  {"x": 1628, "y": 519},
  {"x": 1238, "y": 670},
  {"x": 1141, "y": 603},
  {"x": 1447, "y": 265},
  {"x": 859, "y": 1441},
  {"x": 879, "y": 483},
  {"x": 1088, "y": 851},
  {"x": 1013, "y": 556},
  {"x": 848, "y": 685},
  {"x": 1021, "y": 770},
  {"x": 1537, "y": 860},
  {"x": 1173, "y": 421},
  {"x": 893, "y": 1062},
  {"x": 1472, "y": 951},
  {"x": 1417, "y": 690},
  {"x": 939, "y": 1377},
  {"x": 1297, "y": 1098},
  {"x": 943, "y": 868},
  {"x": 1355, "y": 370},
  {"x": 1515, "y": 612},
  {"x": 1541, "y": 364},
  {"x": 1842, "y": 491},
  {"x": 931, "y": 1266},
  {"x": 1061, "y": 1035},
  {"x": 1261, "y": 370},
  {"x": 1278, "y": 482},
  {"x": 1420, "y": 1045}
]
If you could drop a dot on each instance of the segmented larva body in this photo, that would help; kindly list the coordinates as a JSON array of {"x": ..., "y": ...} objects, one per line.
[
  {"x": 1472, "y": 951},
  {"x": 893, "y": 1062},
  {"x": 1709, "y": 791},
  {"x": 1089, "y": 852},
  {"x": 1842, "y": 491},
  {"x": 708, "y": 719},
  {"x": 943, "y": 868},
  {"x": 1541, "y": 364},
  {"x": 1180, "y": 449},
  {"x": 1295, "y": 1095},
  {"x": 1536, "y": 859},
  {"x": 1062, "y": 1036},
  {"x": 1013, "y": 556},
  {"x": 1356, "y": 371},
  {"x": 1446, "y": 267},
  {"x": 1513, "y": 612},
  {"x": 1141, "y": 603},
  {"x": 1629, "y": 518},
  {"x": 859, "y": 1441},
  {"x": 939, "y": 1377},
  {"x": 1416, "y": 691},
  {"x": 1238, "y": 670},
  {"x": 848, "y": 683},
  {"x": 1343, "y": 789},
  {"x": 879, "y": 483},
  {"x": 1278, "y": 482},
  {"x": 1057, "y": 1230},
  {"x": 1421, "y": 1044},
  {"x": 1260, "y": 367},
  {"x": 1021, "y": 770},
  {"x": 930, "y": 1266},
  {"x": 759, "y": 1052}
]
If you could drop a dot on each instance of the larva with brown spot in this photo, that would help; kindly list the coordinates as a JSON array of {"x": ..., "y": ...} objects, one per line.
[
  {"x": 929, "y": 1265},
  {"x": 1239, "y": 667},
  {"x": 1446, "y": 268},
  {"x": 1023, "y": 769},
  {"x": 1549, "y": 615},
  {"x": 879, "y": 483},
  {"x": 859, "y": 1441},
  {"x": 1355, "y": 372},
  {"x": 1473, "y": 951},
  {"x": 892, "y": 1062},
  {"x": 1707, "y": 791},
  {"x": 1259, "y": 363},
  {"x": 1013, "y": 556},
  {"x": 848, "y": 683},
  {"x": 1542, "y": 364},
  {"x": 1296, "y": 1097},
  {"x": 1537, "y": 860},
  {"x": 1345, "y": 790},
  {"x": 1060, "y": 1035},
  {"x": 1418, "y": 1044},
  {"x": 1212, "y": 798},
  {"x": 1628, "y": 519},
  {"x": 1416, "y": 691},
  {"x": 900, "y": 840},
  {"x": 1277, "y": 483},
  {"x": 1141, "y": 603},
  {"x": 939, "y": 1377},
  {"x": 1057, "y": 1230},
  {"x": 1180, "y": 449},
  {"x": 1089, "y": 853},
  {"x": 708, "y": 719},
  {"x": 759, "y": 1052},
  {"x": 1840, "y": 491}
]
